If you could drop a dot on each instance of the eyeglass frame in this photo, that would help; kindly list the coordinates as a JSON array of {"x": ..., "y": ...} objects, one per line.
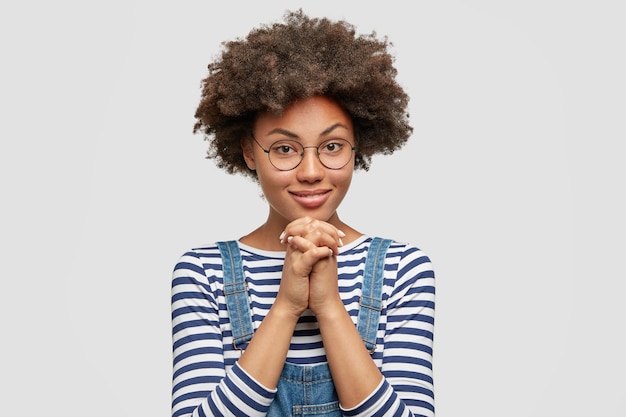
[{"x": 317, "y": 148}]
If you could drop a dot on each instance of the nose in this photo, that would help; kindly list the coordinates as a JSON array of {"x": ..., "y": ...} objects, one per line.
[{"x": 310, "y": 168}]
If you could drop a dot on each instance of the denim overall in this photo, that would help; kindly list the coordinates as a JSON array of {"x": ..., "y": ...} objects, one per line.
[{"x": 304, "y": 390}]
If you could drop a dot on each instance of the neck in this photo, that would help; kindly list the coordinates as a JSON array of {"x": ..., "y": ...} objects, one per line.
[{"x": 264, "y": 237}]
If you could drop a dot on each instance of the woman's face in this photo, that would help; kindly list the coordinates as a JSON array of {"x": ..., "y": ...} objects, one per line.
[{"x": 310, "y": 189}]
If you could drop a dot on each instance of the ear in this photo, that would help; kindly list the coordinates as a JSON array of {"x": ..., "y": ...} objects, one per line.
[{"x": 248, "y": 153}]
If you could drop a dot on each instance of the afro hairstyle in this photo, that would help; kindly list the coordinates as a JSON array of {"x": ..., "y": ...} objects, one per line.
[{"x": 277, "y": 64}]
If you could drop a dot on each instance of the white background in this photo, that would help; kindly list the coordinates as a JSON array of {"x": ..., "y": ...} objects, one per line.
[{"x": 513, "y": 183}]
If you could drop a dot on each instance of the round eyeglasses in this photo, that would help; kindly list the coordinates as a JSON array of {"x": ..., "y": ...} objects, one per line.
[{"x": 286, "y": 154}]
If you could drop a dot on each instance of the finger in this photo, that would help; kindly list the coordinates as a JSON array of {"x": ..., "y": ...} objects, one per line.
[
  {"x": 308, "y": 249},
  {"x": 317, "y": 240},
  {"x": 306, "y": 226},
  {"x": 319, "y": 232}
]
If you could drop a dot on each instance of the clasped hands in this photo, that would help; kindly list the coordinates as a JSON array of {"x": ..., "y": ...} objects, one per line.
[{"x": 309, "y": 278}]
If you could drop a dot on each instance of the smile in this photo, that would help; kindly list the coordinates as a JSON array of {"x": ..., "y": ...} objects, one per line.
[{"x": 311, "y": 199}]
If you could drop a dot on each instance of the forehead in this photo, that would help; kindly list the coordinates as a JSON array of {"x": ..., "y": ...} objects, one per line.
[{"x": 313, "y": 116}]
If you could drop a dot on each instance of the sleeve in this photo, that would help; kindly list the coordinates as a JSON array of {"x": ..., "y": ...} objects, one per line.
[
  {"x": 407, "y": 388},
  {"x": 201, "y": 384}
]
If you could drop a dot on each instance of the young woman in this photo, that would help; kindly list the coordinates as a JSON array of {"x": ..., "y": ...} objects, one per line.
[{"x": 305, "y": 315}]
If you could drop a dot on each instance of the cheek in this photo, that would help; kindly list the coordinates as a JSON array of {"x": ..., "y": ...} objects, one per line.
[
  {"x": 343, "y": 179},
  {"x": 270, "y": 179}
]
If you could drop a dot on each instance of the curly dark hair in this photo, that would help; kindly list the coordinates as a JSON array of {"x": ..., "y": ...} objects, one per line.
[{"x": 302, "y": 57}]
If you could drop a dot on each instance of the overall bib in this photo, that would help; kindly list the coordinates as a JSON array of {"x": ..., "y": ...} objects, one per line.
[{"x": 304, "y": 390}]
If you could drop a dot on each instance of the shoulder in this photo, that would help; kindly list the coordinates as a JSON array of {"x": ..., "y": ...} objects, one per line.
[
  {"x": 401, "y": 254},
  {"x": 409, "y": 270},
  {"x": 199, "y": 256},
  {"x": 401, "y": 258},
  {"x": 409, "y": 256},
  {"x": 207, "y": 259},
  {"x": 198, "y": 264}
]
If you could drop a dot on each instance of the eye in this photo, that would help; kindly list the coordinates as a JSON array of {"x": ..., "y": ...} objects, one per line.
[
  {"x": 285, "y": 148},
  {"x": 333, "y": 146}
]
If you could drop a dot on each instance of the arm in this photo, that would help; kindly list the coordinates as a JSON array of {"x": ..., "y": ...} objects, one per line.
[
  {"x": 355, "y": 374},
  {"x": 407, "y": 352},
  {"x": 407, "y": 388},
  {"x": 200, "y": 381}
]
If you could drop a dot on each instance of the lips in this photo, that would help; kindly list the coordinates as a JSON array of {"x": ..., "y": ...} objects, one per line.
[{"x": 310, "y": 199}]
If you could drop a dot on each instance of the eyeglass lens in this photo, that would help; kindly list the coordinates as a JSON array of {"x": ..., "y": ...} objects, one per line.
[{"x": 287, "y": 154}]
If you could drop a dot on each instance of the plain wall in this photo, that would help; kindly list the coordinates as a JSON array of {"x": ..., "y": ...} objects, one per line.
[{"x": 513, "y": 183}]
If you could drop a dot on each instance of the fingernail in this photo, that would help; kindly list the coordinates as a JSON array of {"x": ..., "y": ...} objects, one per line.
[
  {"x": 331, "y": 253},
  {"x": 289, "y": 239},
  {"x": 340, "y": 233},
  {"x": 340, "y": 242},
  {"x": 282, "y": 236}
]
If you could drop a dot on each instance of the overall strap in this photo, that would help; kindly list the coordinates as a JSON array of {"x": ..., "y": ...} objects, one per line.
[
  {"x": 236, "y": 293},
  {"x": 371, "y": 304}
]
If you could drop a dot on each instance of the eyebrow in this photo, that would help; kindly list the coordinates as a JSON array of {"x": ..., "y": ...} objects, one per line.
[{"x": 295, "y": 136}]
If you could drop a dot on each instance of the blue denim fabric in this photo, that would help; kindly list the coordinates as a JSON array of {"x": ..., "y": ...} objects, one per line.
[
  {"x": 304, "y": 390},
  {"x": 371, "y": 303},
  {"x": 236, "y": 293}
]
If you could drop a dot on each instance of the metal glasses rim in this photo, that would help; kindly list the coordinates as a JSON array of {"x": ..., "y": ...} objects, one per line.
[{"x": 267, "y": 151}]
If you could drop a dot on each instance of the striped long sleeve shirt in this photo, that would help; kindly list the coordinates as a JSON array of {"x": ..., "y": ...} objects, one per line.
[{"x": 206, "y": 378}]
